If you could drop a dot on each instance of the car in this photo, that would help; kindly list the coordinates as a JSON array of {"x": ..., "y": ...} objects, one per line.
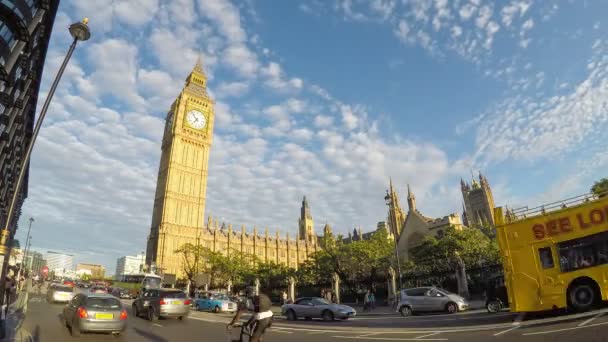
[
  {"x": 430, "y": 299},
  {"x": 60, "y": 294},
  {"x": 316, "y": 307},
  {"x": 69, "y": 282},
  {"x": 216, "y": 302},
  {"x": 98, "y": 289},
  {"x": 155, "y": 303},
  {"x": 95, "y": 312}
]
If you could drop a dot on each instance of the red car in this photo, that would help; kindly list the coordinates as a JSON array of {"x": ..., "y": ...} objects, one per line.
[{"x": 69, "y": 283}]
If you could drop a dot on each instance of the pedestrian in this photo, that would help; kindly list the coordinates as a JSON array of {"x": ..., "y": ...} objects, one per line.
[
  {"x": 284, "y": 297},
  {"x": 366, "y": 301},
  {"x": 372, "y": 300}
]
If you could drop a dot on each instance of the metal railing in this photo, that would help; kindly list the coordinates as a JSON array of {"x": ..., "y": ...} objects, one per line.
[{"x": 525, "y": 212}]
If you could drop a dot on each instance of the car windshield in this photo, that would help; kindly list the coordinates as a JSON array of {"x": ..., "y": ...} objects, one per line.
[
  {"x": 218, "y": 296},
  {"x": 320, "y": 301},
  {"x": 64, "y": 289},
  {"x": 103, "y": 303}
]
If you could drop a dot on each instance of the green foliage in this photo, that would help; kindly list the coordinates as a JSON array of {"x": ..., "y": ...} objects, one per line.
[
  {"x": 357, "y": 263},
  {"x": 600, "y": 188},
  {"x": 470, "y": 244}
]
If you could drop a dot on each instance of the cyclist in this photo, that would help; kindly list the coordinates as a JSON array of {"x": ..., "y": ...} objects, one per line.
[{"x": 261, "y": 319}]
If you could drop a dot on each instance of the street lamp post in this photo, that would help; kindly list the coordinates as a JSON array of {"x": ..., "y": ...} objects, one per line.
[
  {"x": 389, "y": 202},
  {"x": 80, "y": 32},
  {"x": 25, "y": 250}
]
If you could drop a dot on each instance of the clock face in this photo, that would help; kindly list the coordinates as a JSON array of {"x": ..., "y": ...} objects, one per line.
[{"x": 196, "y": 119}]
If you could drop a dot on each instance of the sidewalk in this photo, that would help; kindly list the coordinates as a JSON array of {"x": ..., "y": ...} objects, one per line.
[
  {"x": 384, "y": 310},
  {"x": 16, "y": 316}
]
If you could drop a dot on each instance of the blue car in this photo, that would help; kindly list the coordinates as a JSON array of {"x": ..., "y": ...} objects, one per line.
[{"x": 215, "y": 302}]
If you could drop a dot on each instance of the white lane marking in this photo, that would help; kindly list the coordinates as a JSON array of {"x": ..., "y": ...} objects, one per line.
[
  {"x": 506, "y": 331},
  {"x": 370, "y": 334},
  {"x": 590, "y": 319},
  {"x": 565, "y": 329},
  {"x": 157, "y": 325},
  {"x": 427, "y": 335},
  {"x": 389, "y": 338}
]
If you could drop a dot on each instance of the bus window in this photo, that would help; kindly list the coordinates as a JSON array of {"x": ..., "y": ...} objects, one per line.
[
  {"x": 546, "y": 258},
  {"x": 584, "y": 252}
]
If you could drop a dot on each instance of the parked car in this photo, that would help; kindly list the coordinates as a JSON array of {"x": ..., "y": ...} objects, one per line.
[
  {"x": 430, "y": 299},
  {"x": 59, "y": 294},
  {"x": 93, "y": 312},
  {"x": 316, "y": 307},
  {"x": 155, "y": 303},
  {"x": 216, "y": 302}
]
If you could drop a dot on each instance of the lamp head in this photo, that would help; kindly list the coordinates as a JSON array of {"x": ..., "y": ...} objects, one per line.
[{"x": 80, "y": 30}]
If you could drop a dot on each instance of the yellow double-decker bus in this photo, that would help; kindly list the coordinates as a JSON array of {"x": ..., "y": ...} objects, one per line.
[{"x": 555, "y": 256}]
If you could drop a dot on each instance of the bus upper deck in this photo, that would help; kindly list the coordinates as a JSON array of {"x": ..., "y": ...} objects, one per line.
[{"x": 555, "y": 256}]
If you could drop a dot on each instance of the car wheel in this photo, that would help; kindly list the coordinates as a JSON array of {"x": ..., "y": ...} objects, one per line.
[
  {"x": 75, "y": 329},
  {"x": 196, "y": 307},
  {"x": 327, "y": 316},
  {"x": 405, "y": 311},
  {"x": 135, "y": 312},
  {"x": 152, "y": 315},
  {"x": 582, "y": 297},
  {"x": 291, "y": 315},
  {"x": 493, "y": 306},
  {"x": 216, "y": 309},
  {"x": 451, "y": 308},
  {"x": 181, "y": 318}
]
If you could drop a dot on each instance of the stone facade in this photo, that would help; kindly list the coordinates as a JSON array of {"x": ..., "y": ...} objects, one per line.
[
  {"x": 179, "y": 203},
  {"x": 478, "y": 202},
  {"x": 417, "y": 226}
]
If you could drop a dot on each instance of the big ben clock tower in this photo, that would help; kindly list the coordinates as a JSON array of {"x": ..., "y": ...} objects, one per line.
[{"x": 179, "y": 202}]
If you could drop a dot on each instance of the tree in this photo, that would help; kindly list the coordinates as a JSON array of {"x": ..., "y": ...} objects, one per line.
[
  {"x": 193, "y": 257},
  {"x": 600, "y": 188},
  {"x": 438, "y": 254}
]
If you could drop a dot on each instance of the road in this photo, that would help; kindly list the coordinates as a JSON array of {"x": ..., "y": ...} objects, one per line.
[{"x": 44, "y": 324}]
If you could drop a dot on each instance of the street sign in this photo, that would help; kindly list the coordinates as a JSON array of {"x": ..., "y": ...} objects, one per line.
[{"x": 45, "y": 270}]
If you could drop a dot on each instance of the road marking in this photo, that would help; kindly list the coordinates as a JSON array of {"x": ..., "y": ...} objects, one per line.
[
  {"x": 565, "y": 329},
  {"x": 590, "y": 319},
  {"x": 370, "y": 334},
  {"x": 157, "y": 325},
  {"x": 389, "y": 338},
  {"x": 427, "y": 335},
  {"x": 506, "y": 331}
]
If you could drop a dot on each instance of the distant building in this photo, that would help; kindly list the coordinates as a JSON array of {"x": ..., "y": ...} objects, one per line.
[
  {"x": 25, "y": 30},
  {"x": 478, "y": 202},
  {"x": 36, "y": 262},
  {"x": 59, "y": 263},
  {"x": 94, "y": 270},
  {"x": 417, "y": 226},
  {"x": 128, "y": 265}
]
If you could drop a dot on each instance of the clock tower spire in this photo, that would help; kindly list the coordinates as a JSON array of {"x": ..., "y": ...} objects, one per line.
[{"x": 179, "y": 202}]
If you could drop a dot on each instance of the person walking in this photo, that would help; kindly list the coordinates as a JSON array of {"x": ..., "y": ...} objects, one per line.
[
  {"x": 372, "y": 301},
  {"x": 366, "y": 301},
  {"x": 261, "y": 306},
  {"x": 284, "y": 297}
]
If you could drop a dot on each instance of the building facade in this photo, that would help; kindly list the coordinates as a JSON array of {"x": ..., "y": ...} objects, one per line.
[
  {"x": 59, "y": 263},
  {"x": 94, "y": 270},
  {"x": 179, "y": 203},
  {"x": 128, "y": 265},
  {"x": 478, "y": 202},
  {"x": 25, "y": 30},
  {"x": 418, "y": 226},
  {"x": 35, "y": 262}
]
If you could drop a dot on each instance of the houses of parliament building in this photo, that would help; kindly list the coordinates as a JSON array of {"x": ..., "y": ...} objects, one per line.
[{"x": 180, "y": 197}]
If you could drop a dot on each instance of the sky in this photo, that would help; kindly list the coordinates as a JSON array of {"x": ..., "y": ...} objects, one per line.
[{"x": 327, "y": 99}]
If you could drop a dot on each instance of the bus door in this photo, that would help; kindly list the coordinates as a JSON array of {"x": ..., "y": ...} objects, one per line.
[{"x": 547, "y": 264}]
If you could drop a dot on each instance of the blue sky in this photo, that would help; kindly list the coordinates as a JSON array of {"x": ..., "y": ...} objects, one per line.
[{"x": 326, "y": 99}]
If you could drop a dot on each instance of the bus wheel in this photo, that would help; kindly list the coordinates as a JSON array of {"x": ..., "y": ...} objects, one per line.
[{"x": 582, "y": 296}]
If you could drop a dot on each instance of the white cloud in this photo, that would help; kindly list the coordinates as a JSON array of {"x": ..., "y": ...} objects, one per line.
[
  {"x": 227, "y": 18},
  {"x": 349, "y": 117},
  {"x": 275, "y": 78},
  {"x": 322, "y": 121},
  {"x": 235, "y": 89}
]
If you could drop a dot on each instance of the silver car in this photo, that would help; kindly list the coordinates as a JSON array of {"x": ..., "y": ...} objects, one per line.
[
  {"x": 316, "y": 307},
  {"x": 60, "y": 294},
  {"x": 429, "y": 299},
  {"x": 155, "y": 303},
  {"x": 95, "y": 313}
]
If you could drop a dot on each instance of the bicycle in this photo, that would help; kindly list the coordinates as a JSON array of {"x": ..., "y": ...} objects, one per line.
[{"x": 244, "y": 330}]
